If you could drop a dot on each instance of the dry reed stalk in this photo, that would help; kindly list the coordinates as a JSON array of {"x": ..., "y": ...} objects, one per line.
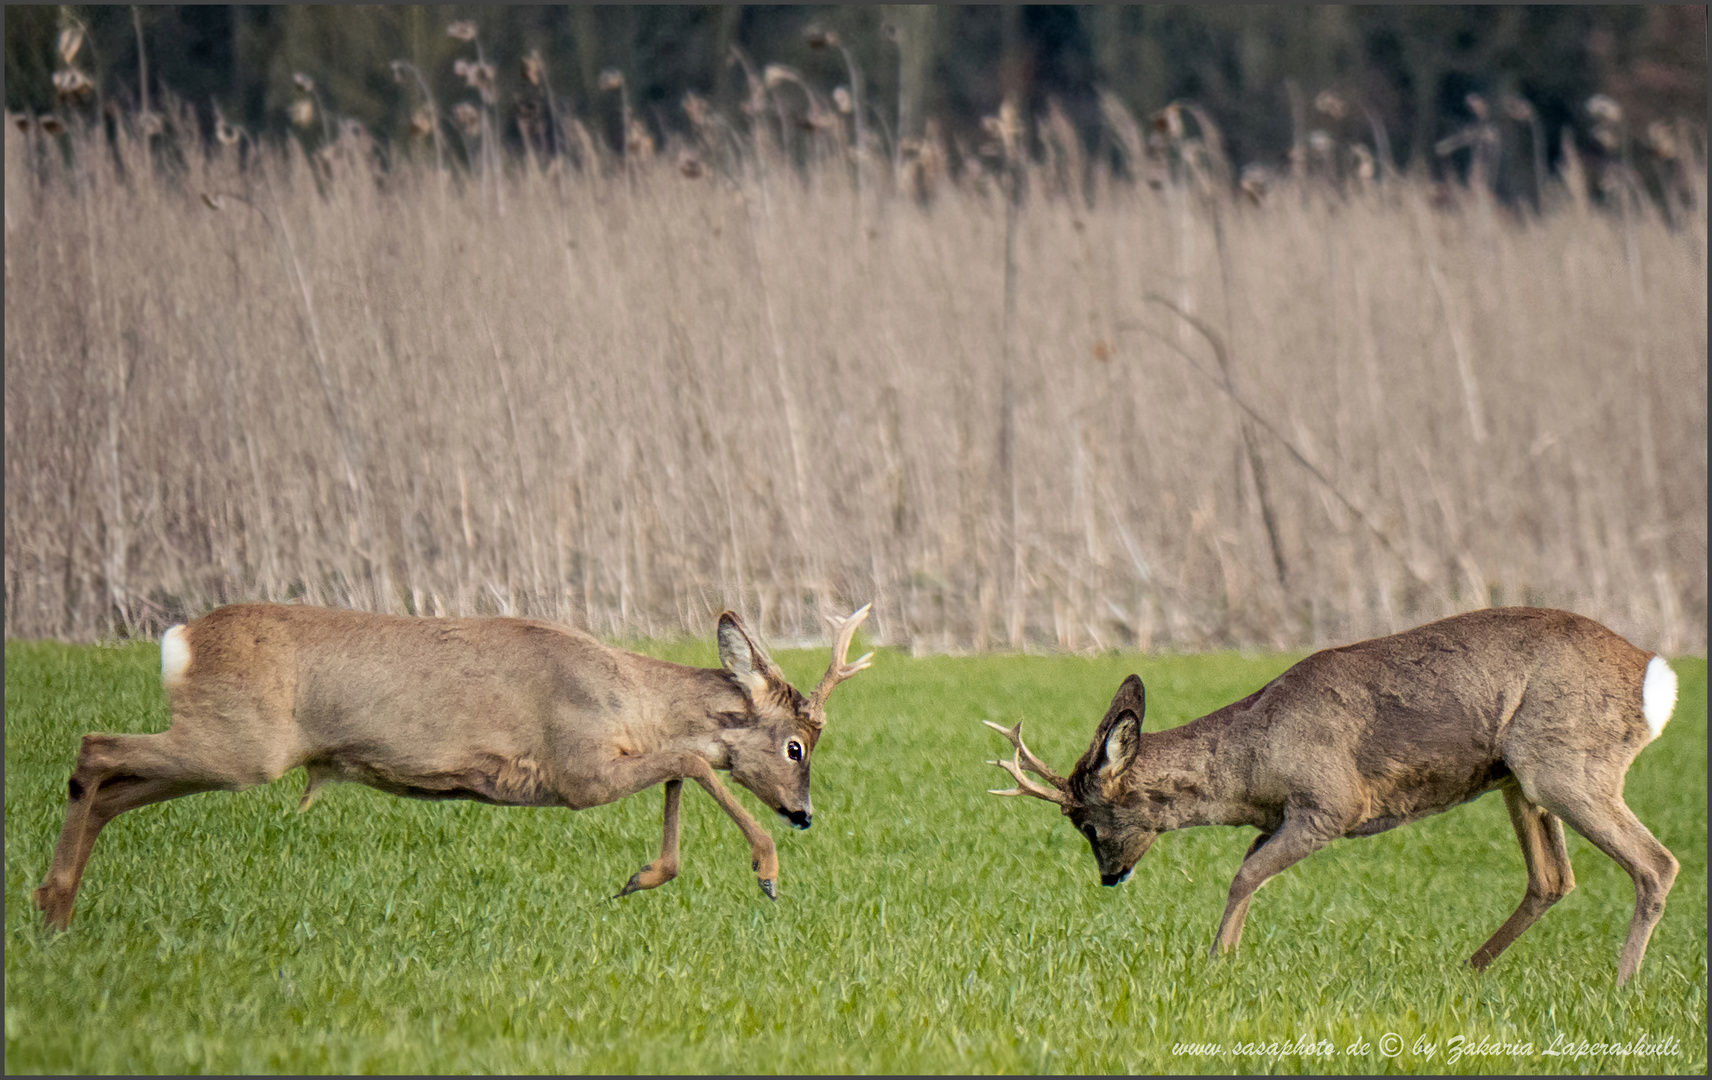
[{"x": 578, "y": 410}]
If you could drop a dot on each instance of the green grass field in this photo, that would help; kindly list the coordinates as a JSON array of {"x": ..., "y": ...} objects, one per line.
[{"x": 921, "y": 924}]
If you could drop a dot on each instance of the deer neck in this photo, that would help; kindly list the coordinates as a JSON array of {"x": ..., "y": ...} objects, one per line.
[
  {"x": 691, "y": 710},
  {"x": 1184, "y": 777}
]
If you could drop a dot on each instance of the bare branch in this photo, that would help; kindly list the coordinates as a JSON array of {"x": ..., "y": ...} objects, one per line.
[{"x": 1217, "y": 343}]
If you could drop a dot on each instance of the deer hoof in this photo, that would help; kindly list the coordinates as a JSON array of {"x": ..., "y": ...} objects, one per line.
[
  {"x": 55, "y": 907},
  {"x": 633, "y": 885},
  {"x": 770, "y": 887}
]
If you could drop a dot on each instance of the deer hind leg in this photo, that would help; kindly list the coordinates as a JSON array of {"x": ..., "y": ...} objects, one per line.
[
  {"x": 116, "y": 773},
  {"x": 1550, "y": 876},
  {"x": 1608, "y": 823},
  {"x": 1268, "y": 857},
  {"x": 665, "y": 868}
]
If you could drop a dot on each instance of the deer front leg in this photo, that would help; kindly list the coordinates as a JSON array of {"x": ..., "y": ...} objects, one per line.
[
  {"x": 765, "y": 857},
  {"x": 630, "y": 775},
  {"x": 665, "y": 868},
  {"x": 1269, "y": 856}
]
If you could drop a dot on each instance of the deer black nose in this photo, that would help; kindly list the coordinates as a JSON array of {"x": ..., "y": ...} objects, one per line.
[
  {"x": 1115, "y": 879},
  {"x": 801, "y": 819}
]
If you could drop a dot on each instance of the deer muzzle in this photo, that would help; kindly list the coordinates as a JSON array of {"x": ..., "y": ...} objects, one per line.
[{"x": 799, "y": 819}]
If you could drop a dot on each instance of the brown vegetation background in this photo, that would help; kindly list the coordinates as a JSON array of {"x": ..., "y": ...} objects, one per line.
[{"x": 611, "y": 394}]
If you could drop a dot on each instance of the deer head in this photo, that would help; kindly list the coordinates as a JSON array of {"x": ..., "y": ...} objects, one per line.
[
  {"x": 770, "y": 746},
  {"x": 1096, "y": 796}
]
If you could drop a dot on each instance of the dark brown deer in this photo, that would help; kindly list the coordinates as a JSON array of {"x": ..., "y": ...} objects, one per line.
[
  {"x": 500, "y": 710},
  {"x": 1545, "y": 706}
]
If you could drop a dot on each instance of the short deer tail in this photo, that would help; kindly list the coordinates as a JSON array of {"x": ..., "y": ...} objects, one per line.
[
  {"x": 175, "y": 658},
  {"x": 1658, "y": 695}
]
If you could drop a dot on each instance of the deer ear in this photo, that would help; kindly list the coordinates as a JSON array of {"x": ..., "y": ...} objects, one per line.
[
  {"x": 1122, "y": 743},
  {"x": 1131, "y": 697},
  {"x": 746, "y": 661},
  {"x": 1120, "y": 731}
]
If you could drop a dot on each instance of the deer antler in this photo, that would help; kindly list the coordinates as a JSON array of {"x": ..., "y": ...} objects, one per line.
[
  {"x": 1025, "y": 786},
  {"x": 1025, "y": 756},
  {"x": 838, "y": 670}
]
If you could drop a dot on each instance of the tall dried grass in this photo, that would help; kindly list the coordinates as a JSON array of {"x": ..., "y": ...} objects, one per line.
[{"x": 623, "y": 398}]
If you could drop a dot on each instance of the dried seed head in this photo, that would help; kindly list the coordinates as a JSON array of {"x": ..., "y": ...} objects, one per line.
[
  {"x": 302, "y": 112},
  {"x": 303, "y": 82},
  {"x": 482, "y": 79},
  {"x": 533, "y": 68},
  {"x": 1255, "y": 179},
  {"x": 72, "y": 85},
  {"x": 150, "y": 123},
  {"x": 22, "y": 123},
  {"x": 775, "y": 75},
  {"x": 1010, "y": 126},
  {"x": 463, "y": 30},
  {"x": 698, "y": 110},
  {"x": 422, "y": 122},
  {"x": 52, "y": 125},
  {"x": 70, "y": 42},
  {"x": 1319, "y": 142},
  {"x": 690, "y": 165},
  {"x": 1662, "y": 139},
  {"x": 639, "y": 143},
  {"x": 213, "y": 202},
  {"x": 818, "y": 38},
  {"x": 1477, "y": 105},
  {"x": 611, "y": 79},
  {"x": 1169, "y": 121},
  {"x": 467, "y": 117},
  {"x": 1603, "y": 108},
  {"x": 841, "y": 98},
  {"x": 1517, "y": 109},
  {"x": 1331, "y": 104},
  {"x": 1363, "y": 161}
]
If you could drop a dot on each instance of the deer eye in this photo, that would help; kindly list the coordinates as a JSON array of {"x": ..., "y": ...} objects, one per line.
[{"x": 793, "y": 750}]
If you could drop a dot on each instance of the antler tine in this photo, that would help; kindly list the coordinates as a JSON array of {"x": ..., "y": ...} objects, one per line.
[
  {"x": 1026, "y": 756},
  {"x": 839, "y": 669},
  {"x": 1025, "y": 786}
]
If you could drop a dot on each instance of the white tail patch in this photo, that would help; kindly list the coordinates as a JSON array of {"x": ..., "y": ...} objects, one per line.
[
  {"x": 175, "y": 658},
  {"x": 1658, "y": 695}
]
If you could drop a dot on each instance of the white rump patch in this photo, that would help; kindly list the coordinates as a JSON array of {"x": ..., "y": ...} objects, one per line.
[
  {"x": 175, "y": 658},
  {"x": 1658, "y": 695}
]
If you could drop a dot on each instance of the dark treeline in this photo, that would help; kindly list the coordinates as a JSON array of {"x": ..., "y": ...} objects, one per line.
[{"x": 1256, "y": 70}]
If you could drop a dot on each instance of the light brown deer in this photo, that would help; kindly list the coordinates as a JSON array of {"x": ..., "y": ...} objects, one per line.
[
  {"x": 500, "y": 710},
  {"x": 1545, "y": 706}
]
